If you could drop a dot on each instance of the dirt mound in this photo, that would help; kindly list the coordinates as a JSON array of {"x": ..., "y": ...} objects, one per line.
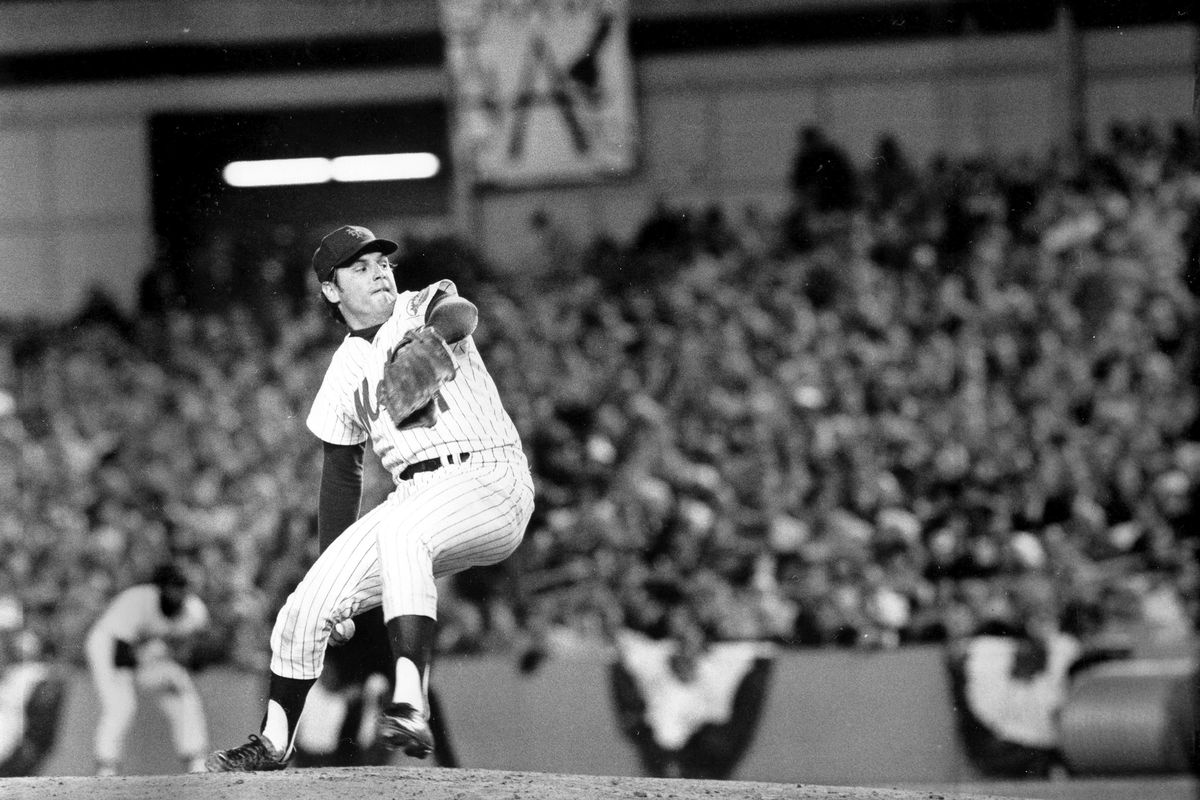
[{"x": 408, "y": 783}]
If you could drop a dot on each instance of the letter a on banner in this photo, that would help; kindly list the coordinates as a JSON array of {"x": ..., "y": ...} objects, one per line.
[{"x": 543, "y": 88}]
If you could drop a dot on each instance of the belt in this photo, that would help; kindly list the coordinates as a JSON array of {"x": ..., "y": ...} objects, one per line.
[{"x": 430, "y": 464}]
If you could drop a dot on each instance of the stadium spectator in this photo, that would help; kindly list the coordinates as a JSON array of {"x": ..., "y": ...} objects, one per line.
[{"x": 823, "y": 178}]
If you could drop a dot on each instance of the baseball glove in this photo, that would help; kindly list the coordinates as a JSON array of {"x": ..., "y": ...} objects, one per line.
[
  {"x": 161, "y": 674},
  {"x": 417, "y": 368}
]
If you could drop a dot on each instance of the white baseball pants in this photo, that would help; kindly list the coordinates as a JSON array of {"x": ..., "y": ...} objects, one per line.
[
  {"x": 117, "y": 687},
  {"x": 433, "y": 525}
]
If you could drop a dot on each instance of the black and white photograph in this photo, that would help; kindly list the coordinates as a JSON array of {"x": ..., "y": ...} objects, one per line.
[{"x": 584, "y": 399}]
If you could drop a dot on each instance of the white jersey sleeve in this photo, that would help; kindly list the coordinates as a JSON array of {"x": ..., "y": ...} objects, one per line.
[
  {"x": 193, "y": 618},
  {"x": 336, "y": 416},
  {"x": 135, "y": 616},
  {"x": 417, "y": 303}
]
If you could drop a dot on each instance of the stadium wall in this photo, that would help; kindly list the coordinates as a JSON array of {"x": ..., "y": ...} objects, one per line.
[
  {"x": 831, "y": 717},
  {"x": 717, "y": 127}
]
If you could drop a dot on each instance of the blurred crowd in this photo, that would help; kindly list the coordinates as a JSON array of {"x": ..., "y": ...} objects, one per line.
[{"x": 877, "y": 419}]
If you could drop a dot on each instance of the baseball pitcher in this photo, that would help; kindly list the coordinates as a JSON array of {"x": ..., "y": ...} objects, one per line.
[{"x": 409, "y": 378}]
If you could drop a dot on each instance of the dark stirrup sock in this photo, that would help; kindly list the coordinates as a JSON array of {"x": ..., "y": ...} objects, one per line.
[
  {"x": 290, "y": 694},
  {"x": 412, "y": 636}
]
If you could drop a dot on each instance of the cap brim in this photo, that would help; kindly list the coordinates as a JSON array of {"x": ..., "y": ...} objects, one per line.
[{"x": 385, "y": 246}]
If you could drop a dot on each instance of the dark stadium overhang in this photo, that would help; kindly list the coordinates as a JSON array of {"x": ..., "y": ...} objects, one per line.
[{"x": 87, "y": 41}]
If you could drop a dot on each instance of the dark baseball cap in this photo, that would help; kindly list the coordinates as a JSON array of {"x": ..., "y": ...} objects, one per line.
[
  {"x": 169, "y": 575},
  {"x": 344, "y": 246}
]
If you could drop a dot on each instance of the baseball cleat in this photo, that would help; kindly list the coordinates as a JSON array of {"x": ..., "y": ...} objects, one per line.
[
  {"x": 402, "y": 727},
  {"x": 256, "y": 755}
]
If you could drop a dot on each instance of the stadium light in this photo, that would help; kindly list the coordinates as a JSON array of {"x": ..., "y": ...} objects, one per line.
[
  {"x": 277, "y": 172},
  {"x": 386, "y": 167},
  {"x": 345, "y": 169}
]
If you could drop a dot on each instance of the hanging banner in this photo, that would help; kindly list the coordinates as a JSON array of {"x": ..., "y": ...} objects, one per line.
[{"x": 544, "y": 89}]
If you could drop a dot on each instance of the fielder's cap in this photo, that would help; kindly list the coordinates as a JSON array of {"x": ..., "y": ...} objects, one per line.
[
  {"x": 169, "y": 575},
  {"x": 345, "y": 245}
]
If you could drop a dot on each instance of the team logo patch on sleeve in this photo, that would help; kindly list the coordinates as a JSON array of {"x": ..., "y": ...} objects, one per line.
[{"x": 417, "y": 300}]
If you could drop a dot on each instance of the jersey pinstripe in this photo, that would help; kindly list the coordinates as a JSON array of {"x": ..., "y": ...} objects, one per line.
[{"x": 347, "y": 409}]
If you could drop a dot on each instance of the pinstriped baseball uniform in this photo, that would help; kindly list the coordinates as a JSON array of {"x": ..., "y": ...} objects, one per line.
[{"x": 469, "y": 512}]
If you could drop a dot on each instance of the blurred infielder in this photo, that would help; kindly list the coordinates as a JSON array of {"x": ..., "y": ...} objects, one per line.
[
  {"x": 132, "y": 645},
  {"x": 409, "y": 378}
]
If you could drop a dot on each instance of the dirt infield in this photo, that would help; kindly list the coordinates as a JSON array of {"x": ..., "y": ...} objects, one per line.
[{"x": 408, "y": 783}]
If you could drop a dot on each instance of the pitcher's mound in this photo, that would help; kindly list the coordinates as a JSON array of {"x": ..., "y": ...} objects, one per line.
[{"x": 409, "y": 783}]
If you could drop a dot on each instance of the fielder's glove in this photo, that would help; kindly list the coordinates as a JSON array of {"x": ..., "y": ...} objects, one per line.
[
  {"x": 417, "y": 368},
  {"x": 162, "y": 675}
]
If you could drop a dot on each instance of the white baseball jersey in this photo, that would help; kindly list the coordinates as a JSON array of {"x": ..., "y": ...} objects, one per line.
[
  {"x": 468, "y": 512},
  {"x": 134, "y": 616},
  {"x": 347, "y": 409}
]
